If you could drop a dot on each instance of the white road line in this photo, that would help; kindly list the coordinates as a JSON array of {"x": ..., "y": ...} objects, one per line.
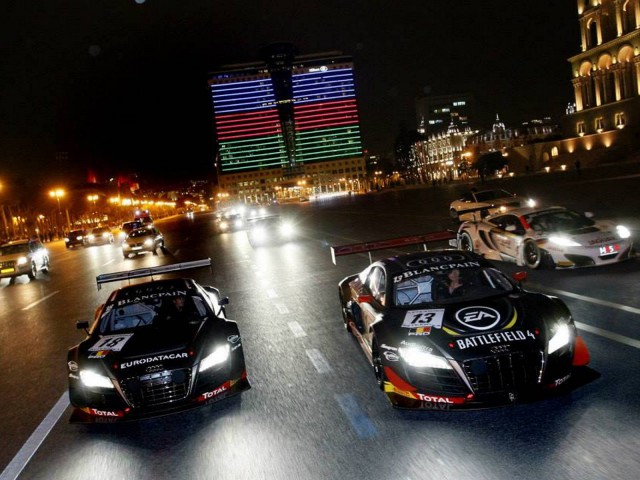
[
  {"x": 31, "y": 305},
  {"x": 318, "y": 360},
  {"x": 297, "y": 330},
  {"x": 632, "y": 342},
  {"x": 271, "y": 293},
  {"x": 584, "y": 298},
  {"x": 108, "y": 262},
  {"x": 359, "y": 421},
  {"x": 30, "y": 447},
  {"x": 282, "y": 308}
]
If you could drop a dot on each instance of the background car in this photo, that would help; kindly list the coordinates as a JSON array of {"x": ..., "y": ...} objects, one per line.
[
  {"x": 270, "y": 230},
  {"x": 229, "y": 221},
  {"x": 487, "y": 342},
  {"x": 546, "y": 238},
  {"x": 141, "y": 240},
  {"x": 127, "y": 227},
  {"x": 100, "y": 236},
  {"x": 485, "y": 202},
  {"x": 155, "y": 347},
  {"x": 23, "y": 257},
  {"x": 76, "y": 238}
]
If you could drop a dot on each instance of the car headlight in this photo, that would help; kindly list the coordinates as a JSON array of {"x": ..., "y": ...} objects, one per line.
[
  {"x": 93, "y": 379},
  {"x": 417, "y": 357},
  {"x": 287, "y": 229},
  {"x": 259, "y": 233},
  {"x": 219, "y": 355},
  {"x": 22, "y": 260},
  {"x": 623, "y": 232},
  {"x": 560, "y": 338},
  {"x": 563, "y": 241},
  {"x": 148, "y": 242},
  {"x": 531, "y": 203}
]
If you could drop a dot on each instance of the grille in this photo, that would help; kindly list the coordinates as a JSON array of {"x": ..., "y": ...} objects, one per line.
[
  {"x": 501, "y": 373},
  {"x": 157, "y": 388},
  {"x": 437, "y": 381}
]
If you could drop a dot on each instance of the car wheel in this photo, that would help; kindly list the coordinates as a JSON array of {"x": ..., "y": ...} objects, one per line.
[
  {"x": 47, "y": 266},
  {"x": 465, "y": 242},
  {"x": 532, "y": 257},
  {"x": 378, "y": 368},
  {"x": 32, "y": 271}
]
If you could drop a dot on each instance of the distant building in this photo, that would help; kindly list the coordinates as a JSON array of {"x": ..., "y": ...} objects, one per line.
[
  {"x": 604, "y": 121},
  {"x": 287, "y": 127},
  {"x": 436, "y": 113}
]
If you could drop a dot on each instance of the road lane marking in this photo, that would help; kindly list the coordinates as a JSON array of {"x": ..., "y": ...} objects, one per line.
[
  {"x": 297, "y": 330},
  {"x": 632, "y": 342},
  {"x": 108, "y": 262},
  {"x": 282, "y": 308},
  {"x": 30, "y": 447},
  {"x": 318, "y": 360},
  {"x": 359, "y": 421},
  {"x": 271, "y": 293},
  {"x": 31, "y": 305},
  {"x": 584, "y": 298}
]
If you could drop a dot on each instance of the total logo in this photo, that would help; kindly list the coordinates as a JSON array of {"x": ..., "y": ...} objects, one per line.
[
  {"x": 478, "y": 318},
  {"x": 437, "y": 399},
  {"x": 105, "y": 413},
  {"x": 214, "y": 393}
]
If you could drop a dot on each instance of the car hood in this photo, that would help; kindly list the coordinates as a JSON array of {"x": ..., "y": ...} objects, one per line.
[
  {"x": 470, "y": 328},
  {"x": 158, "y": 348}
]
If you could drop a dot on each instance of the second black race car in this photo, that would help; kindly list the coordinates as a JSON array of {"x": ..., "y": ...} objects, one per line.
[
  {"x": 445, "y": 329},
  {"x": 154, "y": 348}
]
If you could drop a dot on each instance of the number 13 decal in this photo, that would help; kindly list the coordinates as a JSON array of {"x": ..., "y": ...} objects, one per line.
[
  {"x": 111, "y": 342},
  {"x": 424, "y": 318}
]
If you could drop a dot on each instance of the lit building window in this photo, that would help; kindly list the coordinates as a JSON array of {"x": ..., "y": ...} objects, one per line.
[
  {"x": 554, "y": 152},
  {"x": 581, "y": 128},
  {"x": 599, "y": 124},
  {"x": 620, "y": 120}
]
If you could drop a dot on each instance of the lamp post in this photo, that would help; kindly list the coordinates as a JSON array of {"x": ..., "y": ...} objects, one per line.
[
  {"x": 58, "y": 193},
  {"x": 94, "y": 199}
]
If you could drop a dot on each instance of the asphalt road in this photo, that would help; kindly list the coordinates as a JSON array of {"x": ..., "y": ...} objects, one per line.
[{"x": 314, "y": 410}]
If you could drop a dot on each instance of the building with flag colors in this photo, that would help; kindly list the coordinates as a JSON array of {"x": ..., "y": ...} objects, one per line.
[{"x": 287, "y": 127}]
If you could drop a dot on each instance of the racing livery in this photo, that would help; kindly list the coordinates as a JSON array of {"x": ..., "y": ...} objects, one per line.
[
  {"x": 546, "y": 238},
  {"x": 154, "y": 348},
  {"x": 444, "y": 329}
]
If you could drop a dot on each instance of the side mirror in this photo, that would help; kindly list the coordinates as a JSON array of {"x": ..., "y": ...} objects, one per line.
[{"x": 223, "y": 301}]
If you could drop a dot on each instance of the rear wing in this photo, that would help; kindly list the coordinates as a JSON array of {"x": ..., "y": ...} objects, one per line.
[
  {"x": 340, "y": 250},
  {"x": 150, "y": 272}
]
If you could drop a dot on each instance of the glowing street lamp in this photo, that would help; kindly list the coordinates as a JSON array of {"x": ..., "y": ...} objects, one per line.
[{"x": 57, "y": 193}]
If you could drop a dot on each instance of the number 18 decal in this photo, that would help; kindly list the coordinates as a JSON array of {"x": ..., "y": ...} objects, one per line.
[
  {"x": 111, "y": 342},
  {"x": 424, "y": 318}
]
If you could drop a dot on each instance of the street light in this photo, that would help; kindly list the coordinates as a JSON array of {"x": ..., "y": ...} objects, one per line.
[
  {"x": 58, "y": 193},
  {"x": 93, "y": 198}
]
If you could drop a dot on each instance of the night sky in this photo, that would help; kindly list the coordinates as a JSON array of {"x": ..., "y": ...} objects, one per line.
[{"x": 122, "y": 84}]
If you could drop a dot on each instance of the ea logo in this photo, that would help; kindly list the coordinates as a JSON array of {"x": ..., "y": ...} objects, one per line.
[{"x": 478, "y": 318}]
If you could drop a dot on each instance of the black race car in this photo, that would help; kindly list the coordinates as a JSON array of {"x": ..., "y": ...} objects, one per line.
[
  {"x": 444, "y": 329},
  {"x": 154, "y": 348}
]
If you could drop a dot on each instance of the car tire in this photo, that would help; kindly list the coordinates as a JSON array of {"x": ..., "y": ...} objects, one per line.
[
  {"x": 465, "y": 242},
  {"x": 47, "y": 266},
  {"x": 531, "y": 254},
  {"x": 32, "y": 271},
  {"x": 376, "y": 360}
]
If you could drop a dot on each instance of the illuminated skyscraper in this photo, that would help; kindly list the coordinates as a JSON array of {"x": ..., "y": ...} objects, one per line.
[{"x": 287, "y": 121}]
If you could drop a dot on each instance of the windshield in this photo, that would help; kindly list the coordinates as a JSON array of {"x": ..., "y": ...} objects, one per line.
[
  {"x": 558, "y": 221},
  {"x": 491, "y": 195},
  {"x": 13, "y": 249},
  {"x": 451, "y": 286},
  {"x": 175, "y": 311}
]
